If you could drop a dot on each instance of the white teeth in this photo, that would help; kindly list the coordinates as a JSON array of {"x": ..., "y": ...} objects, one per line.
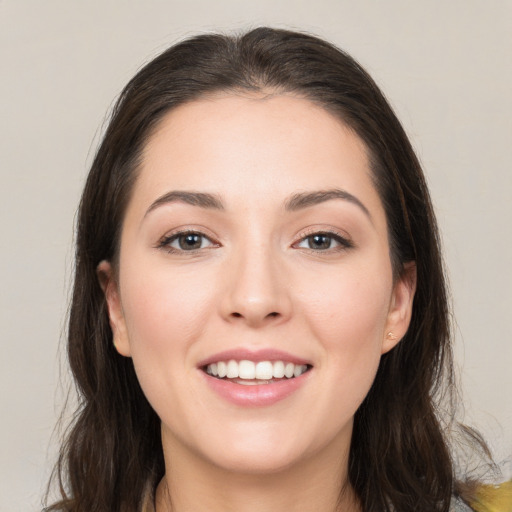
[
  {"x": 232, "y": 370},
  {"x": 246, "y": 370},
  {"x": 264, "y": 370},
  {"x": 250, "y": 371},
  {"x": 297, "y": 371},
  {"x": 289, "y": 370},
  {"x": 221, "y": 369},
  {"x": 278, "y": 370}
]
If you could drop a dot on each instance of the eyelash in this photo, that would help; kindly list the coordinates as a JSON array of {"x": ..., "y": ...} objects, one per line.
[
  {"x": 166, "y": 241},
  {"x": 344, "y": 242}
]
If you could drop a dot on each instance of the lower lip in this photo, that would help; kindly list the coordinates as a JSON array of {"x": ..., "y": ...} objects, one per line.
[{"x": 259, "y": 395}]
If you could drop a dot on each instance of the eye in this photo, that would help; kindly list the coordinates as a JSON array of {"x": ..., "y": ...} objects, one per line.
[
  {"x": 324, "y": 241},
  {"x": 187, "y": 241}
]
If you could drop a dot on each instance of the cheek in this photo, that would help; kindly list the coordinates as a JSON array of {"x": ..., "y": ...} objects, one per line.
[
  {"x": 347, "y": 313},
  {"x": 347, "y": 307},
  {"x": 165, "y": 311}
]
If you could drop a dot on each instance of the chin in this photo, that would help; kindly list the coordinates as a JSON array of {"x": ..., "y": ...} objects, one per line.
[
  {"x": 267, "y": 450},
  {"x": 257, "y": 462}
]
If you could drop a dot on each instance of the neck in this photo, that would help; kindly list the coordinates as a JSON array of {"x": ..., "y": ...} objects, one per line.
[{"x": 192, "y": 484}]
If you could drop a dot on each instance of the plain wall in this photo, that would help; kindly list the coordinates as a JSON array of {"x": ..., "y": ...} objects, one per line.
[{"x": 445, "y": 67}]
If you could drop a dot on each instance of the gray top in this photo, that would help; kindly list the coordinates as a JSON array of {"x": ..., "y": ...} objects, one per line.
[{"x": 459, "y": 506}]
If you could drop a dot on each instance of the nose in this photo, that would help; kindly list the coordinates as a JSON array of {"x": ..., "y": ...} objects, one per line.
[{"x": 256, "y": 293}]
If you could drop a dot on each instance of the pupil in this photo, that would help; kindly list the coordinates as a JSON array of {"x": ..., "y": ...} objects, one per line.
[
  {"x": 190, "y": 241},
  {"x": 320, "y": 242}
]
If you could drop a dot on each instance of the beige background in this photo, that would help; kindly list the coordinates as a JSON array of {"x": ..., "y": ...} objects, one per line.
[{"x": 445, "y": 66}]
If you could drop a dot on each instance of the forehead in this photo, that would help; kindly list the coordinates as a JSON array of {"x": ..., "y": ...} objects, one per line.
[{"x": 254, "y": 148}]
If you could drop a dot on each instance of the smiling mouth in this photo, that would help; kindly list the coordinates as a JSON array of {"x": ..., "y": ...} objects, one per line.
[{"x": 250, "y": 373}]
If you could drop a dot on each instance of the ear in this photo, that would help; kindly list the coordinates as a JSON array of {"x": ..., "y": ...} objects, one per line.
[
  {"x": 108, "y": 283},
  {"x": 400, "y": 310}
]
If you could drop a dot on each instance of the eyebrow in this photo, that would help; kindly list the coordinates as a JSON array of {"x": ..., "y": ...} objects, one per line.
[
  {"x": 307, "y": 199},
  {"x": 201, "y": 199},
  {"x": 296, "y": 202}
]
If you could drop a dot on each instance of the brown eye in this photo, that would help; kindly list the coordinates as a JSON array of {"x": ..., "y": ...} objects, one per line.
[
  {"x": 190, "y": 241},
  {"x": 186, "y": 241},
  {"x": 319, "y": 242},
  {"x": 324, "y": 242}
]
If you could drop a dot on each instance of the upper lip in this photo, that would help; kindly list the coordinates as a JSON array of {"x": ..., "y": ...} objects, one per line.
[{"x": 240, "y": 354}]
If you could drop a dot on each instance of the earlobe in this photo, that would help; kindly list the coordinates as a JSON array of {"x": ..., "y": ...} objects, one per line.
[
  {"x": 400, "y": 311},
  {"x": 108, "y": 283}
]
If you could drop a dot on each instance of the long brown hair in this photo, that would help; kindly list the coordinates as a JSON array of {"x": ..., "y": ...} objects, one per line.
[{"x": 112, "y": 457}]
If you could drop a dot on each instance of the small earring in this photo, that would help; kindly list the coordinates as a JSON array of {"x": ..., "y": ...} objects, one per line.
[{"x": 391, "y": 336}]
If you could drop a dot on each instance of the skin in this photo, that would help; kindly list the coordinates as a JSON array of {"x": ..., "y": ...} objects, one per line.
[{"x": 256, "y": 282}]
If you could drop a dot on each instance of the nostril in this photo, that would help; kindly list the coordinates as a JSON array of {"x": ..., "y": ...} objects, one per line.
[
  {"x": 273, "y": 314},
  {"x": 236, "y": 315}
]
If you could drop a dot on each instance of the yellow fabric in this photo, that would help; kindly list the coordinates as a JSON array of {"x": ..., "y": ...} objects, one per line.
[{"x": 493, "y": 498}]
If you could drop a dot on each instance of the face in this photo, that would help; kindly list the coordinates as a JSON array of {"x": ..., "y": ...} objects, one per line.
[{"x": 255, "y": 244}]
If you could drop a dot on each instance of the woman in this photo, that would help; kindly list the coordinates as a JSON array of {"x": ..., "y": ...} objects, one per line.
[{"x": 259, "y": 318}]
